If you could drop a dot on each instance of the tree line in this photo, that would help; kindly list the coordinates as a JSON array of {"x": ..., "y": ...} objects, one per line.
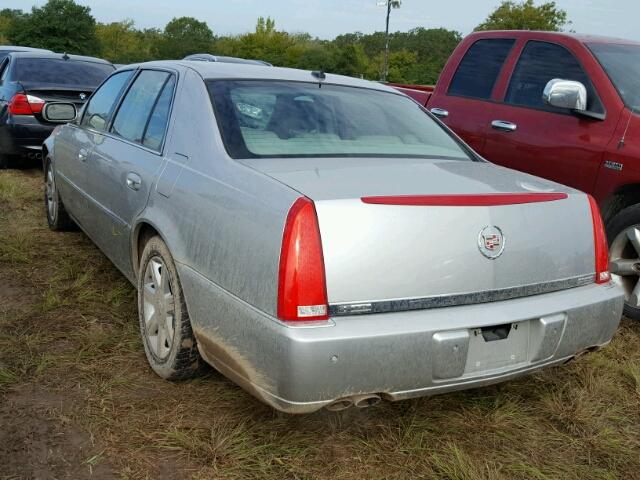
[{"x": 416, "y": 56}]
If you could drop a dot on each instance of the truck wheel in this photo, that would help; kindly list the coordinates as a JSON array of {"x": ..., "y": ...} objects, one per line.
[
  {"x": 57, "y": 217},
  {"x": 165, "y": 327},
  {"x": 623, "y": 232}
]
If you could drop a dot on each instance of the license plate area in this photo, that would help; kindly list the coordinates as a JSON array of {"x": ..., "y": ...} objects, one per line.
[{"x": 498, "y": 347}]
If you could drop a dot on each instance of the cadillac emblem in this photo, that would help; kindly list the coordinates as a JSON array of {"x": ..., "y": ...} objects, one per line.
[{"x": 491, "y": 242}]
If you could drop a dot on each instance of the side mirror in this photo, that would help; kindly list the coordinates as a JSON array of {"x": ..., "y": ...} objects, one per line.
[
  {"x": 566, "y": 94},
  {"x": 59, "y": 112}
]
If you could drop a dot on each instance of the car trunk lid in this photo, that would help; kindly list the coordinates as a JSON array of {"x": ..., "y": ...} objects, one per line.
[{"x": 402, "y": 234}]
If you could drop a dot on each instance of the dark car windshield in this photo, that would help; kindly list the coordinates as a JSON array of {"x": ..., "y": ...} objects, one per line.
[
  {"x": 294, "y": 119},
  {"x": 622, "y": 64},
  {"x": 61, "y": 72}
]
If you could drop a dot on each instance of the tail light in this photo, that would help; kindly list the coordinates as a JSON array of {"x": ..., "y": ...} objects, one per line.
[
  {"x": 600, "y": 242},
  {"x": 302, "y": 290},
  {"x": 22, "y": 104}
]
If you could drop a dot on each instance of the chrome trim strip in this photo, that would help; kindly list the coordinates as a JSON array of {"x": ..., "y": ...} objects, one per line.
[{"x": 441, "y": 301}]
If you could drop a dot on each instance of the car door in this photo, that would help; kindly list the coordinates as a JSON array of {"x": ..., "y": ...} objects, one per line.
[
  {"x": 74, "y": 144},
  {"x": 126, "y": 160},
  {"x": 465, "y": 105},
  {"x": 526, "y": 134}
]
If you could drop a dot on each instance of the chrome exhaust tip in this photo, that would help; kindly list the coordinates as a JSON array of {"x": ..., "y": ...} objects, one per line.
[
  {"x": 339, "y": 405},
  {"x": 366, "y": 401}
]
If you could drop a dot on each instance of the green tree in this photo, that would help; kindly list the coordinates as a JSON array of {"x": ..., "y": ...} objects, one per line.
[
  {"x": 184, "y": 36},
  {"x": 7, "y": 16},
  {"x": 120, "y": 42},
  {"x": 525, "y": 16},
  {"x": 59, "y": 25}
]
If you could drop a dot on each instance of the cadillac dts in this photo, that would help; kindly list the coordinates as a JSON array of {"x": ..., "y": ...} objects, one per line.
[{"x": 324, "y": 241}]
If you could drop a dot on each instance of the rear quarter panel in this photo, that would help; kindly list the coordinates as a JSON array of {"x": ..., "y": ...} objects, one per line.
[{"x": 220, "y": 219}]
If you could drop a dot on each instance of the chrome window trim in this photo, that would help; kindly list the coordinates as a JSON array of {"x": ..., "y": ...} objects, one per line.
[{"x": 441, "y": 301}]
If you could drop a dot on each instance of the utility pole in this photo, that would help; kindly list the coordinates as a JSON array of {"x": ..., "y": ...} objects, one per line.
[{"x": 389, "y": 4}]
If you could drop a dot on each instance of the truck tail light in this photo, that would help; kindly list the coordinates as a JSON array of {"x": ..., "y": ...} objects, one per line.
[
  {"x": 21, "y": 104},
  {"x": 302, "y": 289},
  {"x": 600, "y": 241}
]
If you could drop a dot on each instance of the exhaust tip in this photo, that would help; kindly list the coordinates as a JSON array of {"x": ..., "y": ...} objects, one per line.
[
  {"x": 365, "y": 401},
  {"x": 339, "y": 405}
]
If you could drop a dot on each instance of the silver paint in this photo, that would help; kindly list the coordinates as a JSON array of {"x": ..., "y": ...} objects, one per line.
[{"x": 223, "y": 220}]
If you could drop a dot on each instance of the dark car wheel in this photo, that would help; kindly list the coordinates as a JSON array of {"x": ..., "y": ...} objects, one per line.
[
  {"x": 57, "y": 217},
  {"x": 165, "y": 327},
  {"x": 4, "y": 161},
  {"x": 623, "y": 232}
]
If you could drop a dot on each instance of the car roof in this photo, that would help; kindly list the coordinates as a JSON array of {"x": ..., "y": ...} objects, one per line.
[
  {"x": 18, "y": 48},
  {"x": 208, "y": 57},
  {"x": 582, "y": 38},
  {"x": 238, "y": 71},
  {"x": 58, "y": 56}
]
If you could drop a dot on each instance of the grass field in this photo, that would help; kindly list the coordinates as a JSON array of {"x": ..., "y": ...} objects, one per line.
[{"x": 77, "y": 399}]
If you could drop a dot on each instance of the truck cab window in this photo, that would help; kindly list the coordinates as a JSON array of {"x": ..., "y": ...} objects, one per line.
[
  {"x": 539, "y": 63},
  {"x": 480, "y": 67}
]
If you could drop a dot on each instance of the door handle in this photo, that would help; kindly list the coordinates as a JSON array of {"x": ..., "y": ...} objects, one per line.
[
  {"x": 504, "y": 125},
  {"x": 133, "y": 181},
  {"x": 82, "y": 155},
  {"x": 439, "y": 112}
]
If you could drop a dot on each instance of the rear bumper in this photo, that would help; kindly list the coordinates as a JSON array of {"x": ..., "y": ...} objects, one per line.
[
  {"x": 395, "y": 355},
  {"x": 23, "y": 134}
]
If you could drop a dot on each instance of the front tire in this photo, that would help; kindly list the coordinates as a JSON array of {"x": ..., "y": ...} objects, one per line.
[
  {"x": 57, "y": 216},
  {"x": 168, "y": 339},
  {"x": 623, "y": 232}
]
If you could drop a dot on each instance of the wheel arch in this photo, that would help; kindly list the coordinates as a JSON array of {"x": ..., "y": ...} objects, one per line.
[
  {"x": 621, "y": 198},
  {"x": 142, "y": 232}
]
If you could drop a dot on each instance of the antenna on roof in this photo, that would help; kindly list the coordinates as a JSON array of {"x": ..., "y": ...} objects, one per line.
[
  {"x": 65, "y": 56},
  {"x": 320, "y": 75}
]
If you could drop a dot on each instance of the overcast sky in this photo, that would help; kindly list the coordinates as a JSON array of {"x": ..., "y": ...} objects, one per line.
[{"x": 328, "y": 18}]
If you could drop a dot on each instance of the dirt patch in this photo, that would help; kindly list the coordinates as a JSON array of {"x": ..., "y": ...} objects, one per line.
[{"x": 38, "y": 441}]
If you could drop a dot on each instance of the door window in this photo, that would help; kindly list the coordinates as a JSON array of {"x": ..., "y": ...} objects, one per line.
[
  {"x": 539, "y": 63},
  {"x": 104, "y": 100},
  {"x": 480, "y": 67},
  {"x": 159, "y": 117},
  {"x": 135, "y": 114}
]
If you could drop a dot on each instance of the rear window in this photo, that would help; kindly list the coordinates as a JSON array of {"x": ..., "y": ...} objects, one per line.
[
  {"x": 296, "y": 119},
  {"x": 53, "y": 71}
]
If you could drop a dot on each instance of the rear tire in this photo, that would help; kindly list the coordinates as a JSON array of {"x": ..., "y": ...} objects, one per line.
[
  {"x": 168, "y": 339},
  {"x": 623, "y": 232},
  {"x": 4, "y": 161},
  {"x": 57, "y": 216}
]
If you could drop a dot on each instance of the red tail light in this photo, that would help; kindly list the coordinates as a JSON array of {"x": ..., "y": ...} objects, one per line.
[
  {"x": 22, "y": 104},
  {"x": 600, "y": 242},
  {"x": 302, "y": 290}
]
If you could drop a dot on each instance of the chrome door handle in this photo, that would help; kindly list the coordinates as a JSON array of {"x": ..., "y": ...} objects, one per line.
[
  {"x": 439, "y": 112},
  {"x": 504, "y": 125},
  {"x": 82, "y": 155},
  {"x": 133, "y": 181}
]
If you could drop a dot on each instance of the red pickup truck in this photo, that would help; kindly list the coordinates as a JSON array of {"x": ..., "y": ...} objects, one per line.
[{"x": 560, "y": 106}]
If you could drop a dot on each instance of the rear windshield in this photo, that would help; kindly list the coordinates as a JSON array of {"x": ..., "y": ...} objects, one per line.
[
  {"x": 622, "y": 64},
  {"x": 295, "y": 119},
  {"x": 61, "y": 72}
]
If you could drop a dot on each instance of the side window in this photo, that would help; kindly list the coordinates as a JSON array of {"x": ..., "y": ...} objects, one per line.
[
  {"x": 539, "y": 63},
  {"x": 480, "y": 67},
  {"x": 157, "y": 123},
  {"x": 134, "y": 114},
  {"x": 4, "y": 68},
  {"x": 103, "y": 101}
]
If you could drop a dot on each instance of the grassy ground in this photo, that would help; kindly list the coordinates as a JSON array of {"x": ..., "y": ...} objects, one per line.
[{"x": 77, "y": 399}]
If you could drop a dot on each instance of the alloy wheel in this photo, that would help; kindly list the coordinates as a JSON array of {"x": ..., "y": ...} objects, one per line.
[
  {"x": 52, "y": 198},
  {"x": 624, "y": 263},
  {"x": 158, "y": 308}
]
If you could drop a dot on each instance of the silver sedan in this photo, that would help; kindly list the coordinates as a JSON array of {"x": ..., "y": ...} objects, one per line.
[{"x": 322, "y": 240}]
